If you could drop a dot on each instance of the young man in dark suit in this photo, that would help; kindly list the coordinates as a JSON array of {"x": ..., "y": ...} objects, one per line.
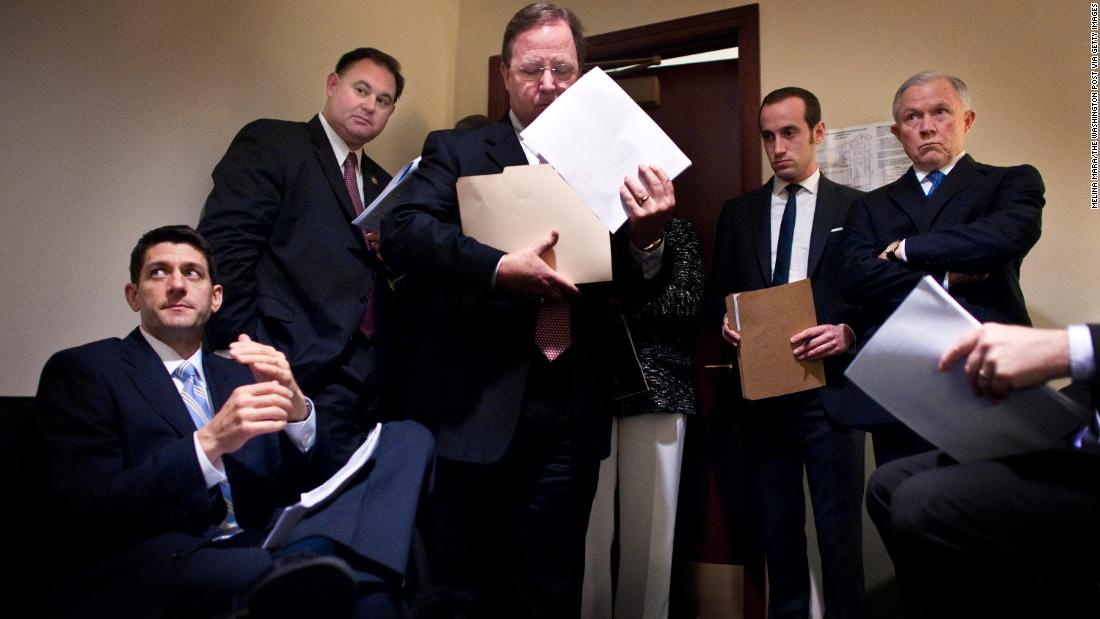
[
  {"x": 788, "y": 229},
  {"x": 162, "y": 465},
  {"x": 1009, "y": 537},
  {"x": 518, "y": 407},
  {"x": 967, "y": 224},
  {"x": 298, "y": 274}
]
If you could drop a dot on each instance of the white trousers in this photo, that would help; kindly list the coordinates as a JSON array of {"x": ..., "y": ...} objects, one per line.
[{"x": 645, "y": 465}]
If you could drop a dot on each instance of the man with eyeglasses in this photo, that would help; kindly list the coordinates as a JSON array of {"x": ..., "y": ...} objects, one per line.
[
  {"x": 298, "y": 275},
  {"x": 512, "y": 353}
]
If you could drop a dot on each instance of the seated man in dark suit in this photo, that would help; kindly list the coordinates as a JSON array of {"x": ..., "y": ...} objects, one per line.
[
  {"x": 162, "y": 467},
  {"x": 1010, "y": 537},
  {"x": 967, "y": 224}
]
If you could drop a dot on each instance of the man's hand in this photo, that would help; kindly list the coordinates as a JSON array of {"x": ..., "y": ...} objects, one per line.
[
  {"x": 648, "y": 204},
  {"x": 821, "y": 341},
  {"x": 525, "y": 273},
  {"x": 728, "y": 333},
  {"x": 251, "y": 410},
  {"x": 268, "y": 364},
  {"x": 374, "y": 243},
  {"x": 1000, "y": 358}
]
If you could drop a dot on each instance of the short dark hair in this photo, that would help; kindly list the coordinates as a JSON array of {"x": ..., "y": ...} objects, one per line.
[
  {"x": 379, "y": 58},
  {"x": 813, "y": 106},
  {"x": 181, "y": 235},
  {"x": 538, "y": 14}
]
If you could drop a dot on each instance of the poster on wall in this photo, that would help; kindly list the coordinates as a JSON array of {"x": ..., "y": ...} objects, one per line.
[{"x": 865, "y": 157}]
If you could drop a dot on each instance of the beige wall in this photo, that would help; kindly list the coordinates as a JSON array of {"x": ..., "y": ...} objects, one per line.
[
  {"x": 114, "y": 113},
  {"x": 1026, "y": 62}
]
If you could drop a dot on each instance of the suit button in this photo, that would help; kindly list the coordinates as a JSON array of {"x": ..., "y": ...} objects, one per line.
[
  {"x": 177, "y": 555},
  {"x": 363, "y": 299}
]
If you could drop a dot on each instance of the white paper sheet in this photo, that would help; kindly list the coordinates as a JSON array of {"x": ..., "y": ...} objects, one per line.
[
  {"x": 371, "y": 217},
  {"x": 897, "y": 368},
  {"x": 595, "y": 135}
]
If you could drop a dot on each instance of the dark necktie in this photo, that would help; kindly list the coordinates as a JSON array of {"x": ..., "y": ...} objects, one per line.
[
  {"x": 198, "y": 406},
  {"x": 782, "y": 270},
  {"x": 936, "y": 177},
  {"x": 366, "y": 325}
]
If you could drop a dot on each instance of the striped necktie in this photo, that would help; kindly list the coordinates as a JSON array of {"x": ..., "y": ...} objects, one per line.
[{"x": 198, "y": 406}]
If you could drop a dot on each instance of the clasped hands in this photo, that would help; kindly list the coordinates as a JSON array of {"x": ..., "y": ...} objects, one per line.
[
  {"x": 648, "y": 204},
  {"x": 263, "y": 407}
]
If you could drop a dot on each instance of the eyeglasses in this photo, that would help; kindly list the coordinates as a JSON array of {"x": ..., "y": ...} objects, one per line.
[{"x": 533, "y": 72}]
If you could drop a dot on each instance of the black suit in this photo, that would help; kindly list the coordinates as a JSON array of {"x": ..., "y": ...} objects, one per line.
[
  {"x": 982, "y": 220},
  {"x": 1011, "y": 537},
  {"x": 128, "y": 504},
  {"x": 787, "y": 432},
  {"x": 297, "y": 273},
  {"x": 519, "y": 438}
]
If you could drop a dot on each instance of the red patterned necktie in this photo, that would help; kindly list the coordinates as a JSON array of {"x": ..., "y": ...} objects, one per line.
[
  {"x": 553, "y": 333},
  {"x": 366, "y": 325}
]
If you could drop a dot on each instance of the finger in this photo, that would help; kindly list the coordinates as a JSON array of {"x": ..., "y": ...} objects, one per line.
[
  {"x": 563, "y": 284},
  {"x": 650, "y": 177},
  {"x": 807, "y": 333},
  {"x": 661, "y": 175},
  {"x": 633, "y": 209},
  {"x": 962, "y": 347},
  {"x": 547, "y": 243},
  {"x": 243, "y": 338}
]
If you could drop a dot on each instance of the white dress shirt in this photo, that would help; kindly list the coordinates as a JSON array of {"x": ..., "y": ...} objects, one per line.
[{"x": 806, "y": 205}]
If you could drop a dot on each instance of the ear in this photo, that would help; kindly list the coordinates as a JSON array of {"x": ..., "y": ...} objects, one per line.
[
  {"x": 968, "y": 120},
  {"x": 131, "y": 292},
  {"x": 818, "y": 133},
  {"x": 896, "y": 130},
  {"x": 215, "y": 297},
  {"x": 503, "y": 71},
  {"x": 330, "y": 84}
]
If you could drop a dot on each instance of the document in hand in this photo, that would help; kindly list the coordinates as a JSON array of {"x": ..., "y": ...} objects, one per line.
[
  {"x": 371, "y": 217},
  {"x": 766, "y": 320},
  {"x": 595, "y": 135},
  {"x": 897, "y": 368},
  {"x": 315, "y": 498},
  {"x": 521, "y": 205}
]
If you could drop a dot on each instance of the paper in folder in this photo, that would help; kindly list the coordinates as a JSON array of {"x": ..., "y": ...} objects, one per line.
[{"x": 766, "y": 320}]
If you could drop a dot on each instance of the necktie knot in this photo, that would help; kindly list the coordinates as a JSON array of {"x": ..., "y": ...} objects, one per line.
[
  {"x": 351, "y": 162},
  {"x": 186, "y": 372},
  {"x": 935, "y": 177}
]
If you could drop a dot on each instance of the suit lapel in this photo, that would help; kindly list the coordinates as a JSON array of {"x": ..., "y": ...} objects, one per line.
[
  {"x": 825, "y": 209},
  {"x": 907, "y": 194},
  {"x": 149, "y": 377},
  {"x": 760, "y": 218},
  {"x": 331, "y": 168},
  {"x": 963, "y": 174},
  {"x": 502, "y": 145}
]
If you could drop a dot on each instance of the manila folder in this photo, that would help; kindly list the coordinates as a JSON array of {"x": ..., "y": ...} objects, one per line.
[
  {"x": 766, "y": 320},
  {"x": 521, "y": 205}
]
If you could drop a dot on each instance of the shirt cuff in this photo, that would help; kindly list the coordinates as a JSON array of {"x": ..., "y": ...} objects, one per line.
[
  {"x": 303, "y": 433},
  {"x": 649, "y": 261},
  {"x": 212, "y": 474},
  {"x": 1082, "y": 358},
  {"x": 900, "y": 251}
]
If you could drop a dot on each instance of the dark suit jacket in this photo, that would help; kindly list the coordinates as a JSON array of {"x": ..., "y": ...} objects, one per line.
[
  {"x": 742, "y": 262},
  {"x": 474, "y": 344},
  {"x": 981, "y": 220},
  {"x": 120, "y": 475},
  {"x": 296, "y": 272}
]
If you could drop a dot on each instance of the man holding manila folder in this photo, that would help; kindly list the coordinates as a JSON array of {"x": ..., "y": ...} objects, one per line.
[
  {"x": 787, "y": 230},
  {"x": 518, "y": 403}
]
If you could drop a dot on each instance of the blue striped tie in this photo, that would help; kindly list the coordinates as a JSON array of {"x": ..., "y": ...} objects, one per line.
[{"x": 198, "y": 405}]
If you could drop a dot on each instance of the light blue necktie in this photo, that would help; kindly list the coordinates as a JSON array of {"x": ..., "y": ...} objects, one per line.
[
  {"x": 936, "y": 177},
  {"x": 198, "y": 406}
]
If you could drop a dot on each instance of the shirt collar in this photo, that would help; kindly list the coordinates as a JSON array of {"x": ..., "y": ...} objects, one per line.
[
  {"x": 810, "y": 183},
  {"x": 170, "y": 358},
  {"x": 945, "y": 169},
  {"x": 339, "y": 147}
]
